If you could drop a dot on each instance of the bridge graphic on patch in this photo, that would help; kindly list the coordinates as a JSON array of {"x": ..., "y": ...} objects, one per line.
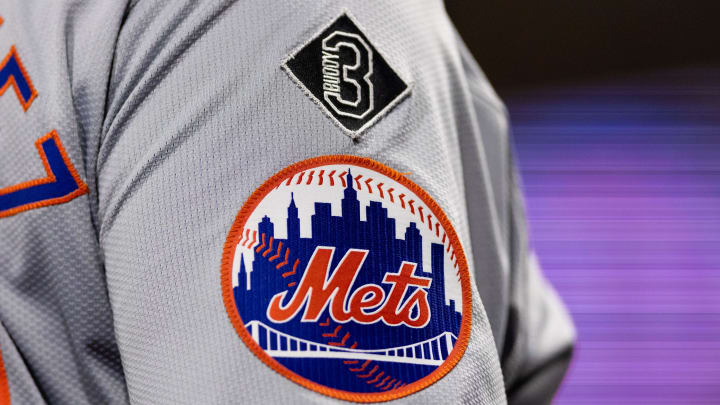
[{"x": 431, "y": 352}]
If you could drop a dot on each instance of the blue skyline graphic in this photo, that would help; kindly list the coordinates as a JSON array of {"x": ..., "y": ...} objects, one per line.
[{"x": 386, "y": 252}]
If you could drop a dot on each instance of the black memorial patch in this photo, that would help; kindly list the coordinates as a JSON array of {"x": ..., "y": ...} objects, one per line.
[{"x": 344, "y": 73}]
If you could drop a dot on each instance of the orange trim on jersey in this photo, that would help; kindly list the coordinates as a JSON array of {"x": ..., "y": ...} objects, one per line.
[
  {"x": 11, "y": 80},
  {"x": 82, "y": 187},
  {"x": 235, "y": 235},
  {"x": 4, "y": 386}
]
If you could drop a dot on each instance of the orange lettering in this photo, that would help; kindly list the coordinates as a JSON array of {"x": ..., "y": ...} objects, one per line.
[{"x": 316, "y": 292}]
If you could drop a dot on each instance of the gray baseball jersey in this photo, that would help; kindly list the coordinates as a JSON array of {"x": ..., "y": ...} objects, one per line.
[{"x": 261, "y": 202}]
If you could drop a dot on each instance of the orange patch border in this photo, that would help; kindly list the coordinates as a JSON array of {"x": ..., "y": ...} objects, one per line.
[
  {"x": 4, "y": 385},
  {"x": 50, "y": 178},
  {"x": 235, "y": 234}
]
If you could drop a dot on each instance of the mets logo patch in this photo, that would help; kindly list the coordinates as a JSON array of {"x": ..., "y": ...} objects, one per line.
[{"x": 346, "y": 277}]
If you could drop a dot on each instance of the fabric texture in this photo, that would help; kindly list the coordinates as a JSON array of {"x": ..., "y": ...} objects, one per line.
[
  {"x": 56, "y": 325},
  {"x": 173, "y": 112}
]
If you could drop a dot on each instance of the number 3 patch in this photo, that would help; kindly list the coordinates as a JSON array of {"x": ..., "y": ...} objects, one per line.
[{"x": 346, "y": 76}]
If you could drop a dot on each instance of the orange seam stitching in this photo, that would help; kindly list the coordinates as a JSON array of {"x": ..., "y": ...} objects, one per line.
[
  {"x": 379, "y": 186},
  {"x": 367, "y": 183},
  {"x": 334, "y": 333},
  {"x": 277, "y": 254},
  {"x": 390, "y": 191},
  {"x": 370, "y": 373},
  {"x": 342, "y": 178},
  {"x": 269, "y": 248},
  {"x": 245, "y": 238},
  {"x": 387, "y": 377},
  {"x": 389, "y": 384},
  {"x": 342, "y": 341},
  {"x": 262, "y": 244},
  {"x": 357, "y": 181},
  {"x": 377, "y": 377},
  {"x": 293, "y": 271},
  {"x": 284, "y": 262},
  {"x": 362, "y": 367}
]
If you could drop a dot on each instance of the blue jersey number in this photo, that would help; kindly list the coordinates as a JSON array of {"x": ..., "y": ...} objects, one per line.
[{"x": 62, "y": 183}]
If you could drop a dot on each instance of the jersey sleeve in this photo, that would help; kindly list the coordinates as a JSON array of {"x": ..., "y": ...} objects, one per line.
[
  {"x": 533, "y": 332},
  {"x": 222, "y": 114},
  {"x": 540, "y": 335}
]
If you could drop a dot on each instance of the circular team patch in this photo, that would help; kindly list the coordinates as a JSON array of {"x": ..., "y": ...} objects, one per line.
[{"x": 347, "y": 278}]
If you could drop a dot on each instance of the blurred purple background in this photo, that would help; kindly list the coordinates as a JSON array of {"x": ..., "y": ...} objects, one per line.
[
  {"x": 615, "y": 108},
  {"x": 622, "y": 180}
]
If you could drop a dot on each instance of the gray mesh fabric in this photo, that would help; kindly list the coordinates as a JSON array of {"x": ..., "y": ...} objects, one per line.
[
  {"x": 174, "y": 112},
  {"x": 57, "y": 329}
]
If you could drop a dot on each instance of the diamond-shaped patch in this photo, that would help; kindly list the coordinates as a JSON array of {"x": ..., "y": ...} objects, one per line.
[{"x": 344, "y": 73}]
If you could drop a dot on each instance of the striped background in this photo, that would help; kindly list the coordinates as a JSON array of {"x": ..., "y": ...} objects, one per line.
[{"x": 622, "y": 178}]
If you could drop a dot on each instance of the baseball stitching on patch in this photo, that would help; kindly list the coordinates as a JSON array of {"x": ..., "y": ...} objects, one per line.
[{"x": 328, "y": 296}]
